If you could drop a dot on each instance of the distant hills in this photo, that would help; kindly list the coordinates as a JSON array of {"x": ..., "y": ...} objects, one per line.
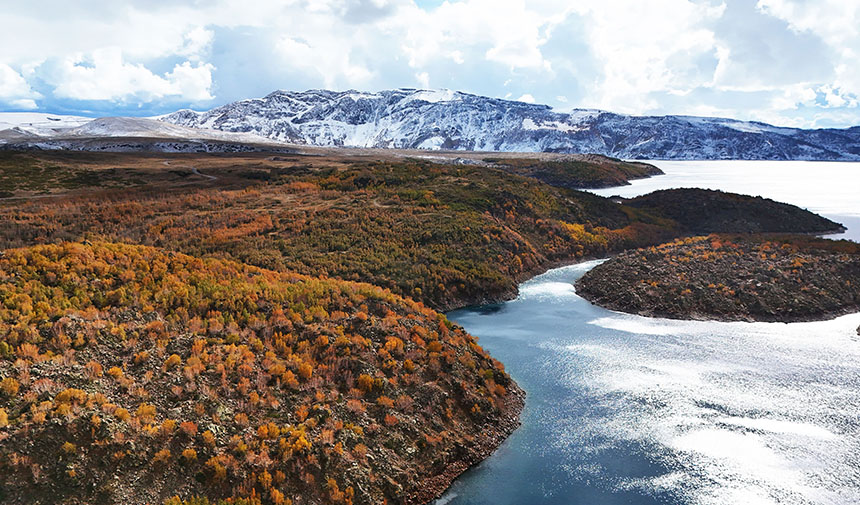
[
  {"x": 431, "y": 120},
  {"x": 422, "y": 119},
  {"x": 120, "y": 134}
]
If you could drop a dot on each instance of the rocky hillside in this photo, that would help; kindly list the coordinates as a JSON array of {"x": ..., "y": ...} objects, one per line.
[
  {"x": 731, "y": 278},
  {"x": 447, "y": 235},
  {"x": 710, "y": 211},
  {"x": 409, "y": 118},
  {"x": 129, "y": 375}
]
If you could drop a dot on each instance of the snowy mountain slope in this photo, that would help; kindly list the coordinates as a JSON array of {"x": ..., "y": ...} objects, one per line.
[
  {"x": 122, "y": 134},
  {"x": 145, "y": 127},
  {"x": 427, "y": 119},
  {"x": 37, "y": 123}
]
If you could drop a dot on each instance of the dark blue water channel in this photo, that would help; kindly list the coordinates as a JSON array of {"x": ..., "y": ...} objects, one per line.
[{"x": 623, "y": 409}]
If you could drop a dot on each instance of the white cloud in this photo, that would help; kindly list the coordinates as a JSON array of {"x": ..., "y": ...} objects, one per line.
[
  {"x": 331, "y": 64},
  {"x": 196, "y": 43},
  {"x": 837, "y": 23},
  {"x": 793, "y": 96},
  {"x": 506, "y": 32},
  {"x": 67, "y": 27},
  {"x": 647, "y": 47},
  {"x": 423, "y": 79},
  {"x": 24, "y": 103},
  {"x": 191, "y": 82},
  {"x": 106, "y": 76},
  {"x": 789, "y": 59},
  {"x": 14, "y": 90}
]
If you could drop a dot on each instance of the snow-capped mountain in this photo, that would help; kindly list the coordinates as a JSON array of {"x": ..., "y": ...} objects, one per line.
[
  {"x": 43, "y": 131},
  {"x": 52, "y": 126},
  {"x": 37, "y": 123},
  {"x": 410, "y": 118}
]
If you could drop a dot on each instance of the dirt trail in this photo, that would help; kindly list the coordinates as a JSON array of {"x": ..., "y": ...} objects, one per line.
[{"x": 195, "y": 171}]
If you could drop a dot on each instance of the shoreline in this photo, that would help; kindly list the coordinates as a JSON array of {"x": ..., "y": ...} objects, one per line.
[
  {"x": 751, "y": 278},
  {"x": 830, "y": 315},
  {"x": 525, "y": 276},
  {"x": 827, "y": 316},
  {"x": 435, "y": 486},
  {"x": 542, "y": 269}
]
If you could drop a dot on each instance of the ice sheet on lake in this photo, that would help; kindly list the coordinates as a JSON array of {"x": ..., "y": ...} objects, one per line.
[{"x": 826, "y": 188}]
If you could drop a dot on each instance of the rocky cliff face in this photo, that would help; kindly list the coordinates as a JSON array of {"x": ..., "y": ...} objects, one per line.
[{"x": 409, "y": 118}]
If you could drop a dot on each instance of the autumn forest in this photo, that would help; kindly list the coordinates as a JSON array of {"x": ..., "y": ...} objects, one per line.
[{"x": 266, "y": 328}]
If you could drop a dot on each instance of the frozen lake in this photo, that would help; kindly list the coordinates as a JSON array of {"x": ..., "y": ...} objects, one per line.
[{"x": 831, "y": 189}]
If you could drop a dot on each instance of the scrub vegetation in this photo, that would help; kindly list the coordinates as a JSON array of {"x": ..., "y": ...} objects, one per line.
[
  {"x": 753, "y": 278},
  {"x": 586, "y": 171},
  {"x": 130, "y": 375},
  {"x": 263, "y": 328},
  {"x": 446, "y": 235}
]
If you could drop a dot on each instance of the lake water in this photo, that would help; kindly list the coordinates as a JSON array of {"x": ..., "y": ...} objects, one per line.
[
  {"x": 831, "y": 189},
  {"x": 624, "y": 409}
]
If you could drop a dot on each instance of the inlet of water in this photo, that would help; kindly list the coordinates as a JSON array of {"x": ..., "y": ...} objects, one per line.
[{"x": 625, "y": 409}]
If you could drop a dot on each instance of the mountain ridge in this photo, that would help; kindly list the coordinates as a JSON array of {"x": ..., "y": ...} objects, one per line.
[{"x": 409, "y": 118}]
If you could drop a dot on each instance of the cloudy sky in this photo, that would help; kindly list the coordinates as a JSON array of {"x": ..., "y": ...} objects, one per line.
[{"x": 789, "y": 62}]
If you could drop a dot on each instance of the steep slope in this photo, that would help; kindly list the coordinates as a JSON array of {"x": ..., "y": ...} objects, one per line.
[
  {"x": 409, "y": 118},
  {"x": 129, "y": 375}
]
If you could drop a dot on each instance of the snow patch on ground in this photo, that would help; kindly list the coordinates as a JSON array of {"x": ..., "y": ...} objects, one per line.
[
  {"x": 38, "y": 123},
  {"x": 580, "y": 115},
  {"x": 357, "y": 95},
  {"x": 432, "y": 143},
  {"x": 529, "y": 124},
  {"x": 741, "y": 126},
  {"x": 435, "y": 95},
  {"x": 144, "y": 127},
  {"x": 756, "y": 128}
]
